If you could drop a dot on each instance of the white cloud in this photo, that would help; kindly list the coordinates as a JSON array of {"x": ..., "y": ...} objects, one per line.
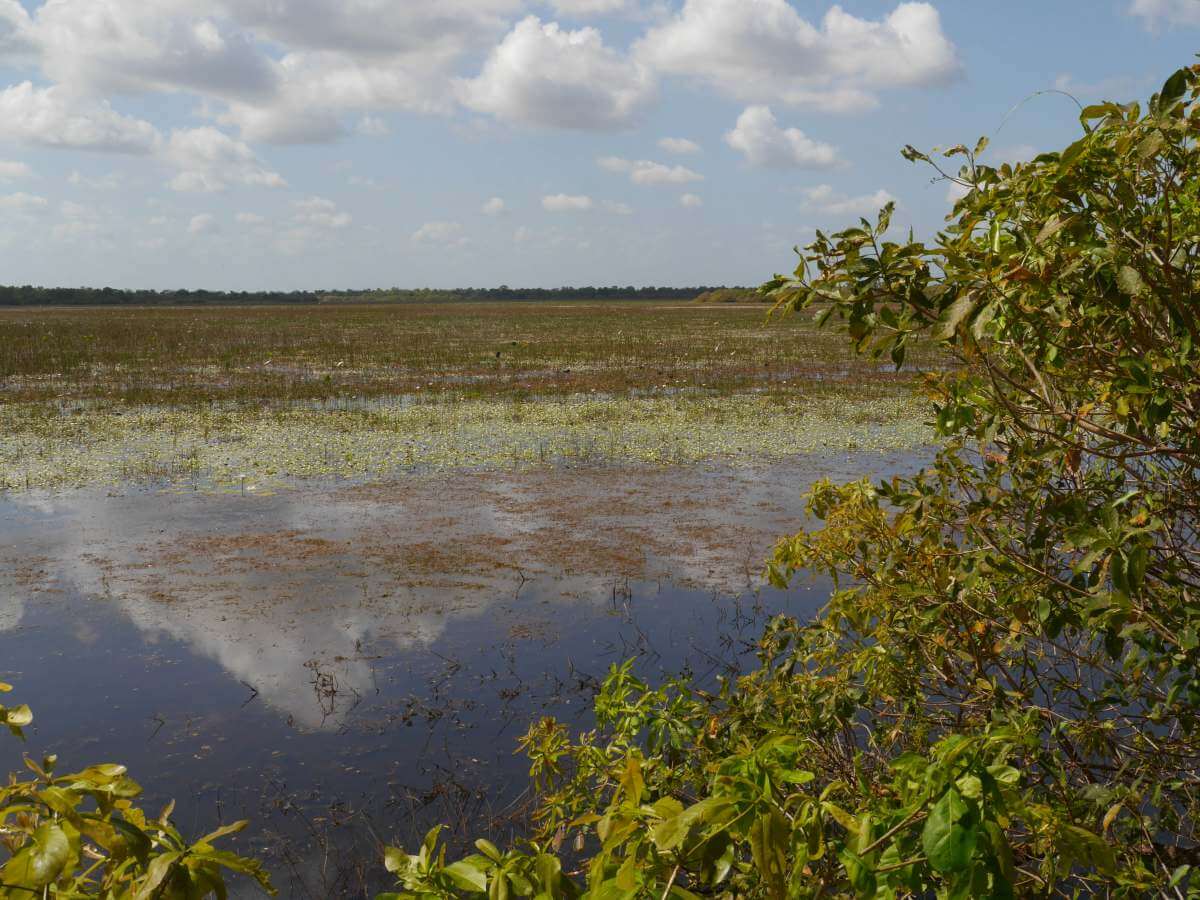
[
  {"x": 249, "y": 218},
  {"x": 131, "y": 46},
  {"x": 566, "y": 203},
  {"x": 279, "y": 70},
  {"x": 439, "y": 30},
  {"x": 764, "y": 51},
  {"x": 79, "y": 220},
  {"x": 373, "y": 126},
  {"x": 824, "y": 199},
  {"x": 22, "y": 202},
  {"x": 16, "y": 30},
  {"x": 618, "y": 209},
  {"x": 211, "y": 160},
  {"x": 109, "y": 182},
  {"x": 10, "y": 170},
  {"x": 680, "y": 146},
  {"x": 318, "y": 212},
  {"x": 646, "y": 172},
  {"x": 691, "y": 201},
  {"x": 203, "y": 224},
  {"x": 583, "y": 9},
  {"x": 522, "y": 235},
  {"x": 447, "y": 234},
  {"x": 494, "y": 207},
  {"x": 77, "y": 211},
  {"x": 1179, "y": 12},
  {"x": 542, "y": 74},
  {"x": 759, "y": 138},
  {"x": 51, "y": 117}
]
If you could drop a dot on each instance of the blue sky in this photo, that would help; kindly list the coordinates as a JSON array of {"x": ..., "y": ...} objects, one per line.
[{"x": 247, "y": 144}]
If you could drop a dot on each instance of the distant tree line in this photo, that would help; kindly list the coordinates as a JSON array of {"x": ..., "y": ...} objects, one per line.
[{"x": 28, "y": 295}]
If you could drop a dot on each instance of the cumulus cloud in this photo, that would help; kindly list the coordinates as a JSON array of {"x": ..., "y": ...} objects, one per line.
[
  {"x": 78, "y": 220},
  {"x": 618, "y": 209},
  {"x": 318, "y": 212},
  {"x": 130, "y": 46},
  {"x": 109, "y": 182},
  {"x": 203, "y": 224},
  {"x": 494, "y": 207},
  {"x": 759, "y": 137},
  {"x": 51, "y": 117},
  {"x": 646, "y": 172},
  {"x": 691, "y": 201},
  {"x": 1179, "y": 12},
  {"x": 11, "y": 170},
  {"x": 680, "y": 146},
  {"x": 446, "y": 234},
  {"x": 278, "y": 71},
  {"x": 373, "y": 126},
  {"x": 765, "y": 51},
  {"x": 22, "y": 202},
  {"x": 544, "y": 75},
  {"x": 16, "y": 30},
  {"x": 566, "y": 203},
  {"x": 580, "y": 9},
  {"x": 824, "y": 199},
  {"x": 211, "y": 161},
  {"x": 431, "y": 31},
  {"x": 249, "y": 218}
]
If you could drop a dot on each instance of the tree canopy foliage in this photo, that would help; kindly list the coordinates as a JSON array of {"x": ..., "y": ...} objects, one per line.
[{"x": 1001, "y": 698}]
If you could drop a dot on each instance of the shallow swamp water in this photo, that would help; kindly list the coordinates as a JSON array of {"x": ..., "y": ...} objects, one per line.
[{"x": 349, "y": 662}]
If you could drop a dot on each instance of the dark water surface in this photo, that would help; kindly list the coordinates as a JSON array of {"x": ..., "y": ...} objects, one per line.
[{"x": 279, "y": 659}]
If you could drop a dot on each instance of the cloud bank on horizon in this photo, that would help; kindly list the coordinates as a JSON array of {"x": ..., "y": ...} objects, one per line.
[{"x": 249, "y": 143}]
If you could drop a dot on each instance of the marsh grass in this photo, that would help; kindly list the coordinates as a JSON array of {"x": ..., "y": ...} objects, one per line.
[
  {"x": 191, "y": 356},
  {"x": 224, "y": 396}
]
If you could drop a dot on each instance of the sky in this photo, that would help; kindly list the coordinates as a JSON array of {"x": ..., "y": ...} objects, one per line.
[{"x": 325, "y": 144}]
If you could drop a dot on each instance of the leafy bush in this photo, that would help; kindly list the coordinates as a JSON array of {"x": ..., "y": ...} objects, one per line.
[
  {"x": 79, "y": 835},
  {"x": 1001, "y": 697}
]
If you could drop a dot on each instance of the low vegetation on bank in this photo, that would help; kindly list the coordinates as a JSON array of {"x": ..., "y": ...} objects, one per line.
[
  {"x": 733, "y": 295},
  {"x": 230, "y": 396}
]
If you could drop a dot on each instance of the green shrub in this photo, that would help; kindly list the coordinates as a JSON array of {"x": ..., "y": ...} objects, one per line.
[
  {"x": 1001, "y": 697},
  {"x": 79, "y": 835}
]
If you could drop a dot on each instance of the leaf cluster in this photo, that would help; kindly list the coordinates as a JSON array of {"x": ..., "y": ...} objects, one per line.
[{"x": 79, "y": 835}]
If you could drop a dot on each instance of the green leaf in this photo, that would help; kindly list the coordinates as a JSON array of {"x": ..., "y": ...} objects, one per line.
[
  {"x": 1053, "y": 226},
  {"x": 1130, "y": 281},
  {"x": 395, "y": 860},
  {"x": 157, "y": 872},
  {"x": 42, "y": 860},
  {"x": 224, "y": 830},
  {"x": 468, "y": 875},
  {"x": 954, "y": 315},
  {"x": 950, "y": 835},
  {"x": 1173, "y": 90}
]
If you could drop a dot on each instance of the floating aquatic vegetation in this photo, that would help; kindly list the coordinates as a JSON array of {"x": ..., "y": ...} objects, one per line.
[{"x": 251, "y": 447}]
